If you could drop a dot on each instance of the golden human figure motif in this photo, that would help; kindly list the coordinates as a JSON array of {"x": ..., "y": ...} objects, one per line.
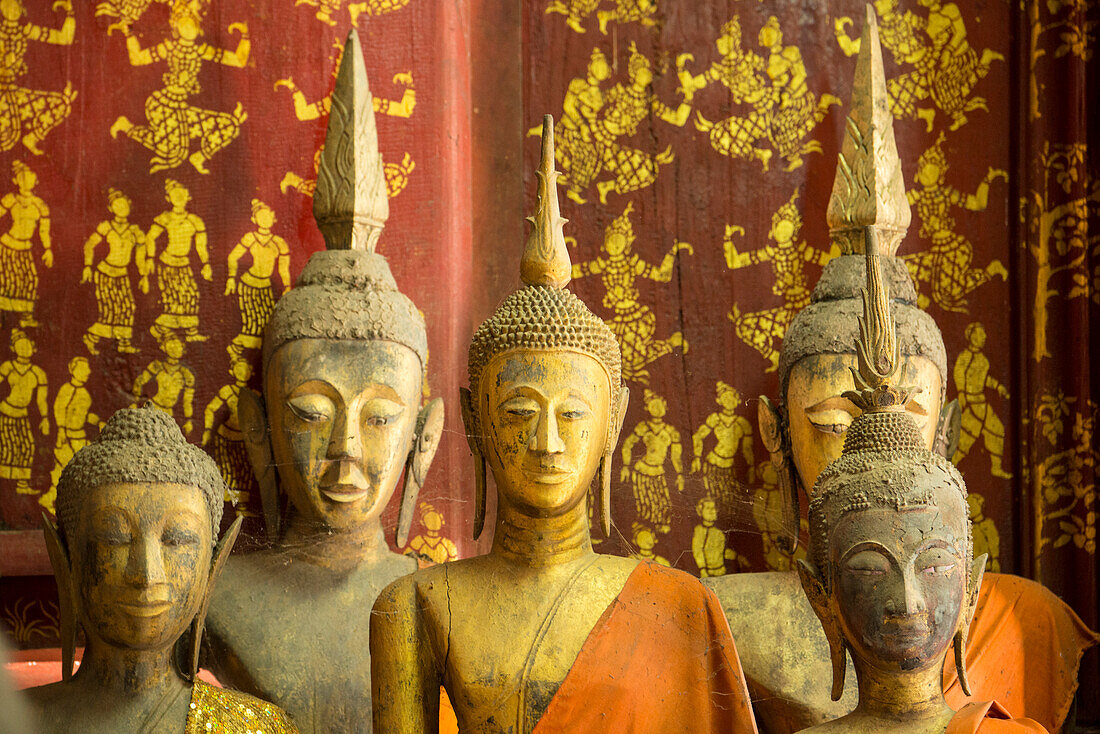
[
  {"x": 944, "y": 67},
  {"x": 127, "y": 12},
  {"x": 225, "y": 442},
  {"x": 430, "y": 545},
  {"x": 328, "y": 9},
  {"x": 179, "y": 293},
  {"x": 784, "y": 110},
  {"x": 18, "y": 275},
  {"x": 979, "y": 421},
  {"x": 26, "y": 383},
  {"x": 732, "y": 434},
  {"x": 767, "y": 512},
  {"x": 788, "y": 256},
  {"x": 626, "y": 11},
  {"x": 578, "y": 154},
  {"x": 255, "y": 296},
  {"x": 173, "y": 381},
  {"x": 987, "y": 541},
  {"x": 173, "y": 125},
  {"x": 30, "y": 114},
  {"x": 72, "y": 412},
  {"x": 645, "y": 540},
  {"x": 708, "y": 543},
  {"x": 945, "y": 268},
  {"x": 633, "y": 323},
  {"x": 114, "y": 293},
  {"x": 647, "y": 475}
]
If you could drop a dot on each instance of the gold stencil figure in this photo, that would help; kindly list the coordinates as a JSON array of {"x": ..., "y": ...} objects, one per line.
[
  {"x": 397, "y": 174},
  {"x": 430, "y": 544},
  {"x": 788, "y": 255},
  {"x": 114, "y": 292},
  {"x": 632, "y": 322},
  {"x": 647, "y": 475},
  {"x": 72, "y": 412},
  {"x": 784, "y": 110},
  {"x": 945, "y": 267},
  {"x": 328, "y": 9},
  {"x": 225, "y": 442},
  {"x": 986, "y": 538},
  {"x": 30, "y": 114},
  {"x": 18, "y": 274},
  {"x": 173, "y": 126},
  {"x": 944, "y": 67},
  {"x": 732, "y": 434},
  {"x": 708, "y": 542},
  {"x": 173, "y": 380},
  {"x": 26, "y": 383},
  {"x": 767, "y": 513},
  {"x": 179, "y": 293},
  {"x": 645, "y": 540},
  {"x": 626, "y": 11},
  {"x": 255, "y": 295},
  {"x": 979, "y": 421},
  {"x": 577, "y": 150}
]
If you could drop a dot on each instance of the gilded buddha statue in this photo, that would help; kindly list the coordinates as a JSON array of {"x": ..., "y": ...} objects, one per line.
[
  {"x": 339, "y": 420},
  {"x": 542, "y": 634},
  {"x": 890, "y": 571},
  {"x": 780, "y": 640},
  {"x": 135, "y": 560}
]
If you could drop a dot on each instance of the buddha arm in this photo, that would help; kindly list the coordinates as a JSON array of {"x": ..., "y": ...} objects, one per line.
[{"x": 404, "y": 678}]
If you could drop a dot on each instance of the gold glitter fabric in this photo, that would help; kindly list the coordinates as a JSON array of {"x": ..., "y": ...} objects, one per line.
[{"x": 220, "y": 711}]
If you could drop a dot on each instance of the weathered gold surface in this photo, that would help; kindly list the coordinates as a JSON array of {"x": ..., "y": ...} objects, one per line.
[
  {"x": 340, "y": 419},
  {"x": 501, "y": 631}
]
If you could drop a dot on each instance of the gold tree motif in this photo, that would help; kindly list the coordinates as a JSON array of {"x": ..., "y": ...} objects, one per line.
[
  {"x": 1076, "y": 38},
  {"x": 1056, "y": 222}
]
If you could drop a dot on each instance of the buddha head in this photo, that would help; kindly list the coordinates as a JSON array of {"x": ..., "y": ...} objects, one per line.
[
  {"x": 134, "y": 553},
  {"x": 344, "y": 353},
  {"x": 806, "y": 429},
  {"x": 890, "y": 570},
  {"x": 546, "y": 400}
]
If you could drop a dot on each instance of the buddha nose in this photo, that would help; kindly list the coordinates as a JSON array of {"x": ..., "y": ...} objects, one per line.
[
  {"x": 546, "y": 438},
  {"x": 906, "y": 598},
  {"x": 345, "y": 441},
  {"x": 144, "y": 564}
]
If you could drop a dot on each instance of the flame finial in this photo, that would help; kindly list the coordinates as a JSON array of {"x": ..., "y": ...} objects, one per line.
[
  {"x": 545, "y": 260},
  {"x": 869, "y": 190},
  {"x": 350, "y": 204}
]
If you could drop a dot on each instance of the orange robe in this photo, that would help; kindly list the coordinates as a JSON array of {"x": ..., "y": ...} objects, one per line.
[
  {"x": 1024, "y": 650},
  {"x": 661, "y": 659},
  {"x": 988, "y": 717}
]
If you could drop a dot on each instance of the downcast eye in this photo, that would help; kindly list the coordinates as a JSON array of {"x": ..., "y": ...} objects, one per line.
[
  {"x": 834, "y": 421},
  {"x": 311, "y": 408}
]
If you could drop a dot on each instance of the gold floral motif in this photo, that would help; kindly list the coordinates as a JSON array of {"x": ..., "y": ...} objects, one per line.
[{"x": 1077, "y": 37}]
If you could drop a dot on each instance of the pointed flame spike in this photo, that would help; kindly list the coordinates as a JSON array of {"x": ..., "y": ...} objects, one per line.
[
  {"x": 350, "y": 204},
  {"x": 869, "y": 190},
  {"x": 545, "y": 260}
]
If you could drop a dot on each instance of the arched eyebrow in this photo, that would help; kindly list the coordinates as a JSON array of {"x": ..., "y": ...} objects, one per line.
[
  {"x": 835, "y": 402},
  {"x": 867, "y": 545},
  {"x": 576, "y": 395}
]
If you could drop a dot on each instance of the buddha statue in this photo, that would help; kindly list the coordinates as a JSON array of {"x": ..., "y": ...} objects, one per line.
[
  {"x": 783, "y": 650},
  {"x": 135, "y": 559},
  {"x": 339, "y": 420},
  {"x": 541, "y": 634},
  {"x": 890, "y": 571}
]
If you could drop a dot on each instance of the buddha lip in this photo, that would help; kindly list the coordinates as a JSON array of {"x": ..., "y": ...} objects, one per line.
[
  {"x": 546, "y": 475},
  {"x": 145, "y": 608},
  {"x": 345, "y": 492}
]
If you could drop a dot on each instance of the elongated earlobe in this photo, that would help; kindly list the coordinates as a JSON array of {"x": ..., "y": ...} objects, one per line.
[
  {"x": 252, "y": 417},
  {"x": 977, "y": 572},
  {"x": 618, "y": 415},
  {"x": 820, "y": 602},
  {"x": 221, "y": 555},
  {"x": 68, "y": 600},
  {"x": 473, "y": 439},
  {"x": 429, "y": 430},
  {"x": 769, "y": 421}
]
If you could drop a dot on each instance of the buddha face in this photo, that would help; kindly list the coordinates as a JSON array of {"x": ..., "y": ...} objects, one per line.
[
  {"x": 342, "y": 414},
  {"x": 900, "y": 581},
  {"x": 544, "y": 419},
  {"x": 819, "y": 414},
  {"x": 141, "y": 559}
]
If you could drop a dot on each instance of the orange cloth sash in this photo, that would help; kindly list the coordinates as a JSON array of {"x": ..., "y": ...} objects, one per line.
[
  {"x": 1024, "y": 650},
  {"x": 987, "y": 717},
  {"x": 661, "y": 659}
]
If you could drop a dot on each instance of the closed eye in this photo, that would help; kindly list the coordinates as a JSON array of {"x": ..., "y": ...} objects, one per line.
[{"x": 938, "y": 570}]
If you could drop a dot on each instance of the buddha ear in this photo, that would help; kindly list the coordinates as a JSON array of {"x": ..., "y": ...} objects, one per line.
[
  {"x": 67, "y": 597},
  {"x": 821, "y": 603},
  {"x": 769, "y": 422},
  {"x": 947, "y": 430},
  {"x": 617, "y": 417},
  {"x": 470, "y": 422},
  {"x": 221, "y": 554},
  {"x": 977, "y": 572},
  {"x": 252, "y": 417},
  {"x": 429, "y": 430}
]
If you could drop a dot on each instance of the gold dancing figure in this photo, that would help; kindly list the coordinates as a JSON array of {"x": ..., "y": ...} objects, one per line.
[
  {"x": 72, "y": 412},
  {"x": 179, "y": 293},
  {"x": 327, "y": 9},
  {"x": 226, "y": 442},
  {"x": 708, "y": 543},
  {"x": 26, "y": 383},
  {"x": 978, "y": 420},
  {"x": 626, "y": 11},
  {"x": 173, "y": 125},
  {"x": 18, "y": 275},
  {"x": 430, "y": 545},
  {"x": 172, "y": 378},
  {"x": 732, "y": 433},
  {"x": 254, "y": 292},
  {"x": 114, "y": 293},
  {"x": 26, "y": 113},
  {"x": 647, "y": 475}
]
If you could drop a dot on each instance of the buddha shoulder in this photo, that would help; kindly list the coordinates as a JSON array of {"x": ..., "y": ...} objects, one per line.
[{"x": 219, "y": 709}]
